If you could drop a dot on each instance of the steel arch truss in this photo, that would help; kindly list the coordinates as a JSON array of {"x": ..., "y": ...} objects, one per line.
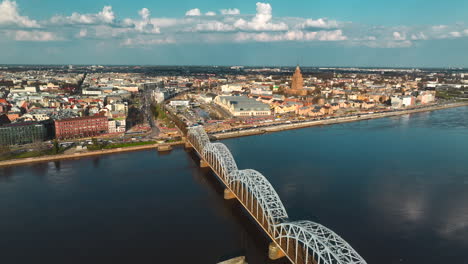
[
  {"x": 198, "y": 137},
  {"x": 302, "y": 241},
  {"x": 316, "y": 241},
  {"x": 220, "y": 159},
  {"x": 256, "y": 192}
]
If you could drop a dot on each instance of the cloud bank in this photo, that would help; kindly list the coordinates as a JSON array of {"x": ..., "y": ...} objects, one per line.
[{"x": 227, "y": 25}]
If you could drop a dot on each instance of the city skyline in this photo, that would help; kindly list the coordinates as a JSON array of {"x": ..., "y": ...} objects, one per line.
[{"x": 238, "y": 33}]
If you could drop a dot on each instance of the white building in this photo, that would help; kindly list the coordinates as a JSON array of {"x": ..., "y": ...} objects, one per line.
[
  {"x": 119, "y": 107},
  {"x": 408, "y": 101},
  {"x": 112, "y": 127},
  {"x": 91, "y": 91},
  {"x": 179, "y": 103},
  {"x": 261, "y": 90},
  {"x": 229, "y": 88},
  {"x": 397, "y": 101}
]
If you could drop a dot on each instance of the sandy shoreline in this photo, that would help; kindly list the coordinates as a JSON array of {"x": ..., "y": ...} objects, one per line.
[
  {"x": 16, "y": 162},
  {"x": 263, "y": 130}
]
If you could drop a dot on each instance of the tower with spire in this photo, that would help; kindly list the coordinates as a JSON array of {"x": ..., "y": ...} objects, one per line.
[{"x": 297, "y": 80}]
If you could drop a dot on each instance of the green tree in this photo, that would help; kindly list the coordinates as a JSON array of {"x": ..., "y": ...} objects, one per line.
[{"x": 56, "y": 147}]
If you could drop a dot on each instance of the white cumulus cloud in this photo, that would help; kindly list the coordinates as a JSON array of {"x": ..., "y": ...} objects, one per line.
[
  {"x": 214, "y": 26},
  {"x": 319, "y": 23},
  {"x": 106, "y": 16},
  {"x": 230, "y": 11},
  {"x": 418, "y": 36},
  {"x": 83, "y": 33},
  {"x": 145, "y": 25},
  {"x": 136, "y": 42},
  {"x": 22, "y": 35},
  {"x": 193, "y": 12},
  {"x": 455, "y": 34},
  {"x": 261, "y": 21},
  {"x": 399, "y": 36},
  {"x": 9, "y": 16},
  {"x": 294, "y": 35}
]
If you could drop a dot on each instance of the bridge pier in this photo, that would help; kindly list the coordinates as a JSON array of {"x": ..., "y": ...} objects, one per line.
[
  {"x": 164, "y": 148},
  {"x": 275, "y": 252},
  {"x": 187, "y": 144},
  {"x": 204, "y": 164},
  {"x": 228, "y": 195}
]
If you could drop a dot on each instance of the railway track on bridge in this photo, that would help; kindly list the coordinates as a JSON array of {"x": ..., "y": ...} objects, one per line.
[{"x": 302, "y": 242}]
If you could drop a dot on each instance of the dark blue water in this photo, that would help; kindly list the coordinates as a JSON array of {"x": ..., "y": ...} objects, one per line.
[{"x": 396, "y": 189}]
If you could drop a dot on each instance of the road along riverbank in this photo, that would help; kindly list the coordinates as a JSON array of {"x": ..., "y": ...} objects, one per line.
[
  {"x": 331, "y": 121},
  {"x": 16, "y": 162}
]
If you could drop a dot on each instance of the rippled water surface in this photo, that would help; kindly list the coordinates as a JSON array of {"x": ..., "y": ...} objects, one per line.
[{"x": 396, "y": 189}]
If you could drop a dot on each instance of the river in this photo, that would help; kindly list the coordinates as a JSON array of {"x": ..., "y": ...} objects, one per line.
[{"x": 395, "y": 188}]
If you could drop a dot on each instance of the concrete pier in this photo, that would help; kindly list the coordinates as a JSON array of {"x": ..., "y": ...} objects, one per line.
[
  {"x": 204, "y": 164},
  {"x": 274, "y": 252},
  {"x": 228, "y": 195},
  {"x": 186, "y": 143},
  {"x": 163, "y": 148}
]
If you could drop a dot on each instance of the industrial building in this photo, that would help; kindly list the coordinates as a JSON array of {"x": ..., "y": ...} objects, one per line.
[{"x": 243, "y": 106}]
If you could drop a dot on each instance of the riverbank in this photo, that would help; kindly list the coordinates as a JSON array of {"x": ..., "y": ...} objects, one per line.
[
  {"x": 337, "y": 120},
  {"x": 47, "y": 158},
  {"x": 219, "y": 136}
]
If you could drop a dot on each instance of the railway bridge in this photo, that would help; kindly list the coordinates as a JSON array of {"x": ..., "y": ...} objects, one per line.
[{"x": 302, "y": 242}]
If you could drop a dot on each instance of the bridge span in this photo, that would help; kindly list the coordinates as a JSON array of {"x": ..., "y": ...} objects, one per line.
[{"x": 302, "y": 242}]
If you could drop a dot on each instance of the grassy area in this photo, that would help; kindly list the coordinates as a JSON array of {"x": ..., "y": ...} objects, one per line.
[
  {"x": 28, "y": 154},
  {"x": 100, "y": 146},
  {"x": 448, "y": 95},
  {"x": 34, "y": 153}
]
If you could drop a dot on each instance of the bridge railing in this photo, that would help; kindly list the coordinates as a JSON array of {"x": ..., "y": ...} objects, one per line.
[{"x": 301, "y": 241}]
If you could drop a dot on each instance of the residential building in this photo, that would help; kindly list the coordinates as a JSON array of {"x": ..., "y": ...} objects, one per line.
[{"x": 89, "y": 126}]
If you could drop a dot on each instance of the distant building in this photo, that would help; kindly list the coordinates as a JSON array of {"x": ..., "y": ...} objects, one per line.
[
  {"x": 401, "y": 102},
  {"x": 80, "y": 127},
  {"x": 229, "y": 88},
  {"x": 297, "y": 84},
  {"x": 243, "y": 106},
  {"x": 184, "y": 103},
  {"x": 22, "y": 133},
  {"x": 297, "y": 80},
  {"x": 409, "y": 101},
  {"x": 426, "y": 97},
  {"x": 27, "y": 89},
  {"x": 261, "y": 90},
  {"x": 91, "y": 91}
]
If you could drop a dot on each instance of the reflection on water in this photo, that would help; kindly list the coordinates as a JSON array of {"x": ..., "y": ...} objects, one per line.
[{"x": 394, "y": 188}]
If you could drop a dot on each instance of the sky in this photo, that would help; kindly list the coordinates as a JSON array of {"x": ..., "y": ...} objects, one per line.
[{"x": 366, "y": 33}]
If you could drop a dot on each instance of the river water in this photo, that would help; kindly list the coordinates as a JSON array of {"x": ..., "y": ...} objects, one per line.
[{"x": 395, "y": 188}]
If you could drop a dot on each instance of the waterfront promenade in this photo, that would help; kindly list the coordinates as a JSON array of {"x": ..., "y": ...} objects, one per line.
[
  {"x": 329, "y": 121},
  {"x": 24, "y": 161}
]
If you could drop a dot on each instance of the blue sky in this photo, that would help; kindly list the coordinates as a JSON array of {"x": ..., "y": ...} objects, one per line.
[{"x": 411, "y": 33}]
